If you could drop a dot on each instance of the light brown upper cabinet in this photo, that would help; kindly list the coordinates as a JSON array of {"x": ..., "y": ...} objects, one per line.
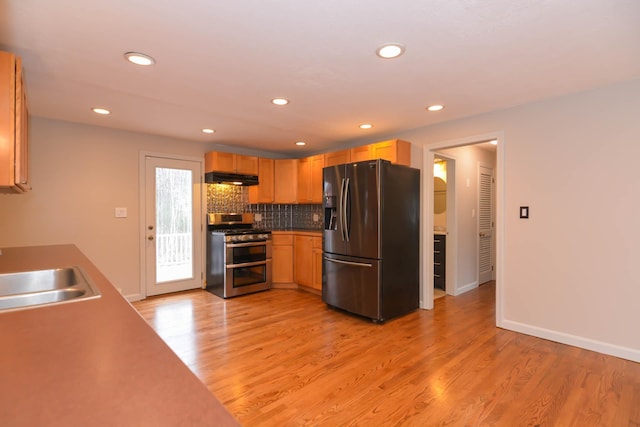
[
  {"x": 360, "y": 154},
  {"x": 336, "y": 158},
  {"x": 263, "y": 192},
  {"x": 395, "y": 150},
  {"x": 229, "y": 162},
  {"x": 14, "y": 118},
  {"x": 310, "y": 179},
  {"x": 285, "y": 181}
]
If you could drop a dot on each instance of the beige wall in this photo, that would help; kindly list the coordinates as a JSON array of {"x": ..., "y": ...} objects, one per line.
[
  {"x": 570, "y": 271},
  {"x": 79, "y": 175}
]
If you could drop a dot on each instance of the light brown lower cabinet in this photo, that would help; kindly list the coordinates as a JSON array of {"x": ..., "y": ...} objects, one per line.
[
  {"x": 308, "y": 260},
  {"x": 316, "y": 282},
  {"x": 296, "y": 259},
  {"x": 282, "y": 258},
  {"x": 302, "y": 270}
]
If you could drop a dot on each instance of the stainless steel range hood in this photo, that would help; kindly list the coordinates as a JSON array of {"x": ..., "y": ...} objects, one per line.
[{"x": 230, "y": 178}]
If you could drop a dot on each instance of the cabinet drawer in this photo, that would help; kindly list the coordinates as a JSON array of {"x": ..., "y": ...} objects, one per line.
[{"x": 281, "y": 239}]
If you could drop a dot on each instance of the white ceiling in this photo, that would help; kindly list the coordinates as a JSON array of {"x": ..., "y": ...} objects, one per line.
[{"x": 219, "y": 62}]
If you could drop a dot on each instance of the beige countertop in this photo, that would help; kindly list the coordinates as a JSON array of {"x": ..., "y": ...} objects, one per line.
[{"x": 93, "y": 362}]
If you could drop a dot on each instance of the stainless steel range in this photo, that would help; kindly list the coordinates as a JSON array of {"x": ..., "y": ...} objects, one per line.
[{"x": 238, "y": 255}]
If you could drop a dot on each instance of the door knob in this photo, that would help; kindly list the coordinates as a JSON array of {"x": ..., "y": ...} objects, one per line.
[
  {"x": 150, "y": 237},
  {"x": 482, "y": 234},
  {"x": 150, "y": 227}
]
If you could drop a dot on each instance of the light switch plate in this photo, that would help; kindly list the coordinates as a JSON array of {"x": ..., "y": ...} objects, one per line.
[
  {"x": 121, "y": 212},
  {"x": 524, "y": 212}
]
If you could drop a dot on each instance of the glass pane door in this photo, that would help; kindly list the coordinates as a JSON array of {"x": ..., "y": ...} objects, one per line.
[{"x": 172, "y": 225}]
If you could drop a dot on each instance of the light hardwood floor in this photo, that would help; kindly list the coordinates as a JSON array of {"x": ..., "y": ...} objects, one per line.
[{"x": 282, "y": 357}]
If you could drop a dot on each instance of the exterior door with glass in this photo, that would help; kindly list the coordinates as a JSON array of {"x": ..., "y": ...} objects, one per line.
[{"x": 172, "y": 225}]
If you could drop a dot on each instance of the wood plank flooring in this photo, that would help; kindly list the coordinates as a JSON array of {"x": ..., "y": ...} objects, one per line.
[{"x": 281, "y": 358}]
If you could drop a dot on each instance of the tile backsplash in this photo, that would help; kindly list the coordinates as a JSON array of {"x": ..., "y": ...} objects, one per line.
[
  {"x": 233, "y": 199},
  {"x": 227, "y": 198}
]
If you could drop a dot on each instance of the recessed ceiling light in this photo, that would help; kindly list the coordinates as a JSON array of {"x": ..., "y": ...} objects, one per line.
[
  {"x": 102, "y": 111},
  {"x": 208, "y": 130},
  {"x": 435, "y": 107},
  {"x": 280, "y": 101},
  {"x": 301, "y": 143},
  {"x": 139, "y": 58},
  {"x": 390, "y": 50},
  {"x": 366, "y": 126}
]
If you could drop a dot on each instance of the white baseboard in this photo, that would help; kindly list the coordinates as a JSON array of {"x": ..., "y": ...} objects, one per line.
[
  {"x": 134, "y": 297},
  {"x": 573, "y": 340},
  {"x": 465, "y": 288}
]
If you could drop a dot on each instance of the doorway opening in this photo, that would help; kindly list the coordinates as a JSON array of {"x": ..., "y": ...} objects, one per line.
[{"x": 471, "y": 220}]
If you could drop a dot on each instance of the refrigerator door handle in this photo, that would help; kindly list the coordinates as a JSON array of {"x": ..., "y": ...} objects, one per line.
[
  {"x": 357, "y": 264},
  {"x": 344, "y": 209},
  {"x": 341, "y": 208}
]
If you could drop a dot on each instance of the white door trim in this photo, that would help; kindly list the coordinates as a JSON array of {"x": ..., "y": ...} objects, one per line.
[
  {"x": 142, "y": 218},
  {"x": 427, "y": 216}
]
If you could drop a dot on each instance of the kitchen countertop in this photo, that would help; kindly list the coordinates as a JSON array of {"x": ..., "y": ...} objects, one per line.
[
  {"x": 297, "y": 230},
  {"x": 94, "y": 362}
]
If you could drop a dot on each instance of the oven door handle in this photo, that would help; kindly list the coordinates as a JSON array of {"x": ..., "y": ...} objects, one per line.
[
  {"x": 248, "y": 264},
  {"x": 244, "y": 245}
]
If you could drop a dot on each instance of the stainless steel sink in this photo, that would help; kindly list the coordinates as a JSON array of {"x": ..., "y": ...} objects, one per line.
[{"x": 27, "y": 289}]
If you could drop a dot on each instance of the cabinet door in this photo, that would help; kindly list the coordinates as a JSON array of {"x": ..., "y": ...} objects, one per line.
[
  {"x": 7, "y": 119},
  {"x": 282, "y": 264},
  {"x": 246, "y": 165},
  {"x": 218, "y": 161},
  {"x": 336, "y": 158},
  {"x": 317, "y": 163},
  {"x": 304, "y": 180},
  {"x": 360, "y": 154},
  {"x": 302, "y": 270},
  {"x": 22, "y": 128},
  {"x": 310, "y": 179},
  {"x": 263, "y": 193},
  {"x": 13, "y": 126},
  {"x": 316, "y": 282},
  {"x": 285, "y": 184},
  {"x": 395, "y": 150}
]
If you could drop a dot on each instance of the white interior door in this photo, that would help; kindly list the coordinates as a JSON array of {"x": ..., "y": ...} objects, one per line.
[
  {"x": 485, "y": 224},
  {"x": 172, "y": 225}
]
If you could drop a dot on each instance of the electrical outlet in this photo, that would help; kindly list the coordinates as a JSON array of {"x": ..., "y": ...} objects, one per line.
[{"x": 315, "y": 217}]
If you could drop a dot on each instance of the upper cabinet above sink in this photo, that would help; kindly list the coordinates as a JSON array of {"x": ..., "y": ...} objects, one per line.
[{"x": 14, "y": 172}]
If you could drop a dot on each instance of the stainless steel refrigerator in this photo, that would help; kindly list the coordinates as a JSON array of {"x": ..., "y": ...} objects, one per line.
[{"x": 370, "y": 263}]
